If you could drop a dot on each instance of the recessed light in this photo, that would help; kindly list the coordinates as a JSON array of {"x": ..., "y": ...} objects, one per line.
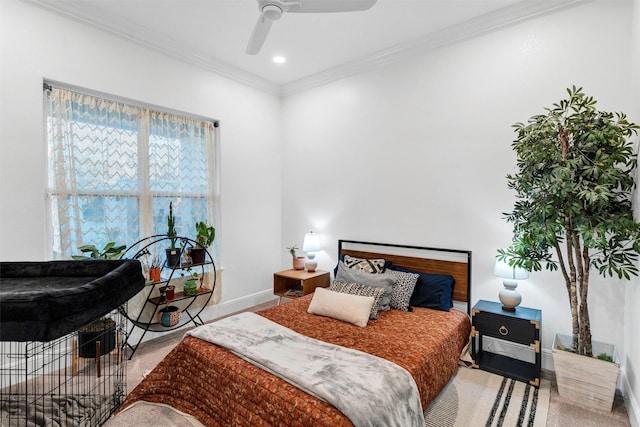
[{"x": 279, "y": 59}]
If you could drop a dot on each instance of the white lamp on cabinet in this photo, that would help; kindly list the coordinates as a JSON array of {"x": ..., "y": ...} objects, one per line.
[
  {"x": 509, "y": 296},
  {"x": 311, "y": 245}
]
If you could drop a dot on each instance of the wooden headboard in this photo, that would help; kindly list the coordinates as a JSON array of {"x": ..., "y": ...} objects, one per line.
[{"x": 455, "y": 262}]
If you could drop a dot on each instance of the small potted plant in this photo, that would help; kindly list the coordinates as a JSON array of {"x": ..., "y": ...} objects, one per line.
[
  {"x": 190, "y": 286},
  {"x": 204, "y": 237},
  {"x": 173, "y": 253},
  {"x": 167, "y": 293},
  {"x": 110, "y": 251},
  {"x": 298, "y": 261},
  {"x": 154, "y": 269}
]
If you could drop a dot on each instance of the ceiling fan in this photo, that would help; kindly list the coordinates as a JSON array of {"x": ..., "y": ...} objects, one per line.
[{"x": 272, "y": 10}]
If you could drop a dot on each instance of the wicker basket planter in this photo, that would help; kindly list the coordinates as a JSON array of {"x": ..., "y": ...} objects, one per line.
[{"x": 586, "y": 381}]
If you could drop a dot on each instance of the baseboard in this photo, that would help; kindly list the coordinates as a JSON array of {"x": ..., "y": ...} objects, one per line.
[
  {"x": 236, "y": 305},
  {"x": 631, "y": 401},
  {"x": 216, "y": 311},
  {"x": 547, "y": 360}
]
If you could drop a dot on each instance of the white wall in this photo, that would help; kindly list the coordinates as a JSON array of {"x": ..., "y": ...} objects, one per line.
[
  {"x": 413, "y": 153},
  {"x": 36, "y": 44},
  {"x": 632, "y": 296},
  {"x": 417, "y": 152}
]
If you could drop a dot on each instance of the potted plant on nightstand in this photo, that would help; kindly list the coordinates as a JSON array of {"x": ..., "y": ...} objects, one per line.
[
  {"x": 173, "y": 253},
  {"x": 573, "y": 191},
  {"x": 205, "y": 236},
  {"x": 298, "y": 261}
]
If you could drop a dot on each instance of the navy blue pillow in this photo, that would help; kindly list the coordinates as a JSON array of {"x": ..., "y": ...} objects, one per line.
[{"x": 431, "y": 291}]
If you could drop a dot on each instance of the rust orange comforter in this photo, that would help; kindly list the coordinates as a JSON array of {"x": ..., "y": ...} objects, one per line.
[{"x": 221, "y": 389}]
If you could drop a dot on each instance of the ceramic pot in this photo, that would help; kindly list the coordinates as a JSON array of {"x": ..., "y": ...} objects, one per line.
[
  {"x": 298, "y": 263},
  {"x": 168, "y": 291},
  {"x": 154, "y": 274},
  {"x": 190, "y": 288},
  {"x": 197, "y": 255},
  {"x": 169, "y": 316},
  {"x": 173, "y": 257}
]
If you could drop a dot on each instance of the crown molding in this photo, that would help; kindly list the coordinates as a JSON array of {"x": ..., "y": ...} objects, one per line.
[
  {"x": 484, "y": 24},
  {"x": 142, "y": 36}
]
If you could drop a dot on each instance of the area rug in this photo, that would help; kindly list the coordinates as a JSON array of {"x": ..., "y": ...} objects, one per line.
[{"x": 478, "y": 398}]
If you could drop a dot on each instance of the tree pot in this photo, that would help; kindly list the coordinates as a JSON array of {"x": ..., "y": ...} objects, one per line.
[
  {"x": 197, "y": 255},
  {"x": 583, "y": 380},
  {"x": 173, "y": 257},
  {"x": 102, "y": 330}
]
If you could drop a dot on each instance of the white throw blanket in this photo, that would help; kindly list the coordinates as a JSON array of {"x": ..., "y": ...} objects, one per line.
[{"x": 369, "y": 390}]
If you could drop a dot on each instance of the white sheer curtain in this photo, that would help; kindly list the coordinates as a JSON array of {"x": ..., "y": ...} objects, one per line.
[{"x": 114, "y": 168}]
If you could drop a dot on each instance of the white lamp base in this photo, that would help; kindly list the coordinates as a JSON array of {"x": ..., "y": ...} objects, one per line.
[
  {"x": 311, "y": 264},
  {"x": 509, "y": 297}
]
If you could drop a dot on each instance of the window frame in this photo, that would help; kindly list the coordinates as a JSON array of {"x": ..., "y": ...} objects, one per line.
[{"x": 214, "y": 186}]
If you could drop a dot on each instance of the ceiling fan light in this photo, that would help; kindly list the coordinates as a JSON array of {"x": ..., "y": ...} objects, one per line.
[
  {"x": 279, "y": 59},
  {"x": 272, "y": 12}
]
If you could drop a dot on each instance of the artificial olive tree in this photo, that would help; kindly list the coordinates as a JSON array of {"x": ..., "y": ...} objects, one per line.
[{"x": 573, "y": 200}]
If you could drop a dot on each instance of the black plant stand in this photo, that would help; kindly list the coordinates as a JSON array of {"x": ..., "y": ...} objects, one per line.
[{"x": 190, "y": 312}]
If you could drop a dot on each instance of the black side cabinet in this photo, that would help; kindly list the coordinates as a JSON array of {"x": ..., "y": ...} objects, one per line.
[{"x": 520, "y": 327}]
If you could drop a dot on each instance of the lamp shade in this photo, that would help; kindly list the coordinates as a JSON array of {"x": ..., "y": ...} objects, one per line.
[
  {"x": 504, "y": 270},
  {"x": 311, "y": 242}
]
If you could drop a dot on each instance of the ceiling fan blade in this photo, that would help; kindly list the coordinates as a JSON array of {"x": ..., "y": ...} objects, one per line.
[
  {"x": 328, "y": 6},
  {"x": 259, "y": 35}
]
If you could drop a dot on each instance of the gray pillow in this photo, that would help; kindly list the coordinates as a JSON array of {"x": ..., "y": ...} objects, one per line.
[
  {"x": 386, "y": 281},
  {"x": 362, "y": 290},
  {"x": 366, "y": 265},
  {"x": 403, "y": 289}
]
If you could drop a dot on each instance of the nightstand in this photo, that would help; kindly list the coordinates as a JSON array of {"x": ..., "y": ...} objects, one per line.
[
  {"x": 521, "y": 328},
  {"x": 298, "y": 280}
]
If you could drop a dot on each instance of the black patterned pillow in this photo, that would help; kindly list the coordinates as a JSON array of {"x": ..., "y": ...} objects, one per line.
[
  {"x": 402, "y": 289},
  {"x": 362, "y": 290},
  {"x": 366, "y": 265}
]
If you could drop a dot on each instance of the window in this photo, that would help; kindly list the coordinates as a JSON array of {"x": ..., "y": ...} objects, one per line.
[{"x": 114, "y": 168}]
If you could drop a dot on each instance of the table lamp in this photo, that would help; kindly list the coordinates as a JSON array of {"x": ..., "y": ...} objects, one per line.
[
  {"x": 509, "y": 296},
  {"x": 311, "y": 245}
]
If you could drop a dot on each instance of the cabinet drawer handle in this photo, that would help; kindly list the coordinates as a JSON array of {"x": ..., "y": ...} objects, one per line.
[{"x": 503, "y": 330}]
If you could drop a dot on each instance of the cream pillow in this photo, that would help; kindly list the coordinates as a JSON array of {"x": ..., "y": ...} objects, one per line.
[{"x": 346, "y": 307}]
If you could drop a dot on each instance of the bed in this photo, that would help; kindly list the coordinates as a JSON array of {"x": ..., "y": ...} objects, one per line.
[{"x": 219, "y": 388}]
